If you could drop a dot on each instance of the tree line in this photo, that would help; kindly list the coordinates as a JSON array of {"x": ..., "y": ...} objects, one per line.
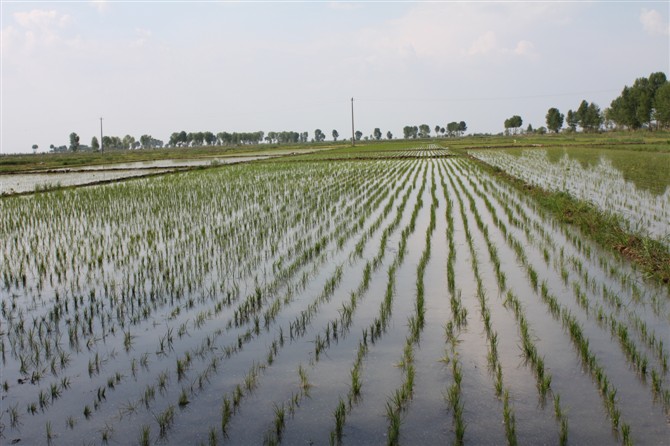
[
  {"x": 644, "y": 105},
  {"x": 423, "y": 131}
]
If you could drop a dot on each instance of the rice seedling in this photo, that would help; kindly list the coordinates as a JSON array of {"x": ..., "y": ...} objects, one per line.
[
  {"x": 340, "y": 417},
  {"x": 165, "y": 420},
  {"x": 145, "y": 436}
]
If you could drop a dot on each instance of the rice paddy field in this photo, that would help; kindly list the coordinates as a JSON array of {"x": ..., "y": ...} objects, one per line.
[{"x": 405, "y": 296}]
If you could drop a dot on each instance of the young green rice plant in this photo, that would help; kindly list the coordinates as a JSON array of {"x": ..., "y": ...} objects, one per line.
[
  {"x": 165, "y": 420},
  {"x": 49, "y": 432},
  {"x": 226, "y": 414},
  {"x": 340, "y": 417},
  {"x": 183, "y": 398},
  {"x": 213, "y": 440},
  {"x": 14, "y": 420},
  {"x": 393, "y": 416},
  {"x": 145, "y": 436},
  {"x": 510, "y": 423},
  {"x": 279, "y": 420}
]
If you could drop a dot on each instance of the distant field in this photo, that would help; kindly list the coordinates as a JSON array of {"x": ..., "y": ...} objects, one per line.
[{"x": 647, "y": 169}]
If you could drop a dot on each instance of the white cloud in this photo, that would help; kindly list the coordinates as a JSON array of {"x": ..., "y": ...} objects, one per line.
[
  {"x": 100, "y": 5},
  {"x": 484, "y": 44},
  {"x": 653, "y": 23},
  {"x": 143, "y": 36},
  {"x": 524, "y": 48},
  {"x": 35, "y": 28}
]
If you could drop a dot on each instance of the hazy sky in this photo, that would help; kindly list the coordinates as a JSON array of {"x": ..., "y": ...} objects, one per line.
[{"x": 160, "y": 67}]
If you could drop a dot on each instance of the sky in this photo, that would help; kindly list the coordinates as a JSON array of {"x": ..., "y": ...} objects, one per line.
[{"x": 160, "y": 67}]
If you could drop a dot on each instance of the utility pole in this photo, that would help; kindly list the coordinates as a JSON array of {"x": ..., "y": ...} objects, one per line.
[
  {"x": 353, "y": 138},
  {"x": 101, "y": 148}
]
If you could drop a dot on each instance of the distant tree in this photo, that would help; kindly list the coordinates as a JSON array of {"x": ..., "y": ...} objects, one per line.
[
  {"x": 514, "y": 123},
  {"x": 594, "y": 118},
  {"x": 582, "y": 114},
  {"x": 529, "y": 129},
  {"x": 389, "y": 135},
  {"x": 462, "y": 127},
  {"x": 442, "y": 130},
  {"x": 319, "y": 135},
  {"x": 407, "y": 132},
  {"x": 35, "y": 147},
  {"x": 554, "y": 119},
  {"x": 335, "y": 135},
  {"x": 452, "y": 128},
  {"x": 358, "y": 135},
  {"x": 541, "y": 130},
  {"x": 377, "y": 133},
  {"x": 210, "y": 138},
  {"x": 424, "y": 131},
  {"x": 74, "y": 142},
  {"x": 572, "y": 120},
  {"x": 128, "y": 142},
  {"x": 662, "y": 105},
  {"x": 437, "y": 130},
  {"x": 95, "y": 144},
  {"x": 52, "y": 147},
  {"x": 145, "y": 141}
]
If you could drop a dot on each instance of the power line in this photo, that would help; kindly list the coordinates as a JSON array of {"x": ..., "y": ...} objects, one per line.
[{"x": 482, "y": 98}]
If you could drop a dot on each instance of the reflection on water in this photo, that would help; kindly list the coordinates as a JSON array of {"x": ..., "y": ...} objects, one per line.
[
  {"x": 21, "y": 183},
  {"x": 599, "y": 183}
]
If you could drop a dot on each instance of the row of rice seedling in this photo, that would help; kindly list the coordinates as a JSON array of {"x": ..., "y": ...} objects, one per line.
[
  {"x": 609, "y": 402},
  {"x": 309, "y": 312},
  {"x": 323, "y": 343},
  {"x": 613, "y": 302},
  {"x": 168, "y": 341},
  {"x": 397, "y": 403},
  {"x": 231, "y": 319},
  {"x": 273, "y": 351}
]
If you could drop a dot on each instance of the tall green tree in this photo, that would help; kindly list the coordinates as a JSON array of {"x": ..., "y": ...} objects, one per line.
[
  {"x": 572, "y": 120},
  {"x": 410, "y": 132},
  {"x": 389, "y": 135},
  {"x": 95, "y": 144},
  {"x": 377, "y": 133},
  {"x": 319, "y": 135},
  {"x": 452, "y": 128},
  {"x": 128, "y": 142},
  {"x": 662, "y": 105},
  {"x": 514, "y": 123},
  {"x": 335, "y": 135},
  {"x": 74, "y": 142},
  {"x": 358, "y": 135},
  {"x": 462, "y": 127},
  {"x": 35, "y": 147},
  {"x": 594, "y": 118},
  {"x": 424, "y": 131},
  {"x": 554, "y": 119}
]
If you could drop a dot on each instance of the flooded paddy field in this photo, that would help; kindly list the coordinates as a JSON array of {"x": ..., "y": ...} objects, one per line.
[
  {"x": 381, "y": 301},
  {"x": 23, "y": 182}
]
